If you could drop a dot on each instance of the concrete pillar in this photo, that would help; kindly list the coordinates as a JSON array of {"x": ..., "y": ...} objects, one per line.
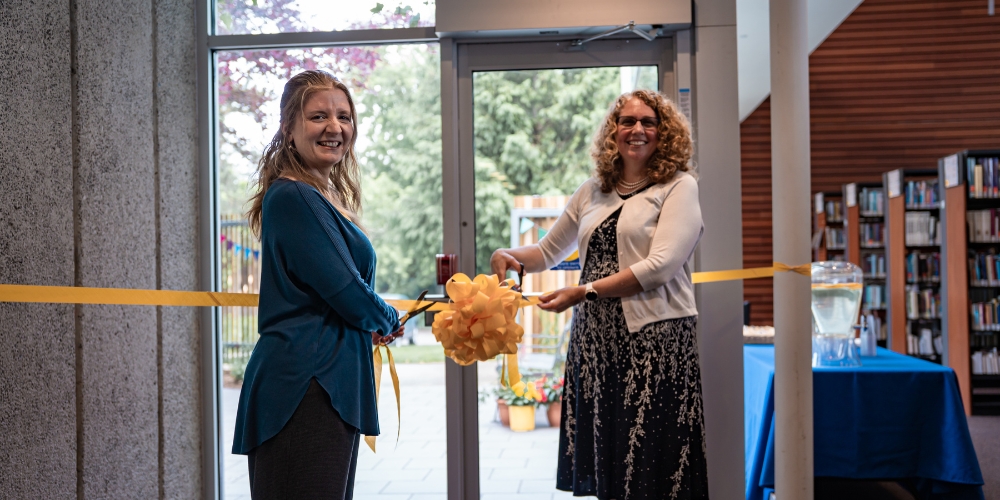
[
  {"x": 98, "y": 171},
  {"x": 793, "y": 403},
  {"x": 178, "y": 245},
  {"x": 38, "y": 416},
  {"x": 715, "y": 95}
]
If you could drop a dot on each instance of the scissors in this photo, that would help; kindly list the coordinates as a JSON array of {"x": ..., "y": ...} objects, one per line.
[
  {"x": 417, "y": 310},
  {"x": 520, "y": 279}
]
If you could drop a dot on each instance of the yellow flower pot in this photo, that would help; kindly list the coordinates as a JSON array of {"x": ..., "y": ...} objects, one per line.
[{"x": 522, "y": 418}]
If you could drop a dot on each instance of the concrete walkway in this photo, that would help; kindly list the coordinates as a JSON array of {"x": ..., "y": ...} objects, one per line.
[{"x": 513, "y": 465}]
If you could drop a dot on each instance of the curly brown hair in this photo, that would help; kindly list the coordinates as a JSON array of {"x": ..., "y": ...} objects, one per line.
[
  {"x": 673, "y": 148},
  {"x": 280, "y": 158}
]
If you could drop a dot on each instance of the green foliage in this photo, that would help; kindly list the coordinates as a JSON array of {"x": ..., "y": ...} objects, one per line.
[
  {"x": 402, "y": 169},
  {"x": 533, "y": 131},
  {"x": 238, "y": 368},
  {"x": 508, "y": 396},
  {"x": 417, "y": 354}
]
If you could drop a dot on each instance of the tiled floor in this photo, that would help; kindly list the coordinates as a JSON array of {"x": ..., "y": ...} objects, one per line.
[{"x": 513, "y": 465}]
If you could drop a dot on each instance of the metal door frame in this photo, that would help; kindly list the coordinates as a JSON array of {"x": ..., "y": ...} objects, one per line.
[{"x": 459, "y": 60}]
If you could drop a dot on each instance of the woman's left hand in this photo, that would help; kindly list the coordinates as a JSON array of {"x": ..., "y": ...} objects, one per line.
[{"x": 562, "y": 299}]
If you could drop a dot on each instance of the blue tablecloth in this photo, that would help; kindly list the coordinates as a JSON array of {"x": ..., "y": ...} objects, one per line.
[{"x": 895, "y": 417}]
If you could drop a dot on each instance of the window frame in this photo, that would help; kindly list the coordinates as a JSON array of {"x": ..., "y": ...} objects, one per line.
[{"x": 208, "y": 45}]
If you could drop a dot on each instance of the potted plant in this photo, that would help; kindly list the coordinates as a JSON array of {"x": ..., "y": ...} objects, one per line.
[
  {"x": 501, "y": 398},
  {"x": 552, "y": 391},
  {"x": 520, "y": 409}
]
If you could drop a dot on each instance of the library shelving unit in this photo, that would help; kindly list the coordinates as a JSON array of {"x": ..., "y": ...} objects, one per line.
[
  {"x": 913, "y": 263},
  {"x": 864, "y": 231},
  {"x": 828, "y": 223},
  {"x": 971, "y": 230}
]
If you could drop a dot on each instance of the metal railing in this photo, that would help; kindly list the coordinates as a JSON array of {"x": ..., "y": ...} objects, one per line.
[{"x": 240, "y": 260}]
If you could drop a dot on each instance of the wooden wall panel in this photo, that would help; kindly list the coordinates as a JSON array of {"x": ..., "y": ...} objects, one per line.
[{"x": 899, "y": 84}]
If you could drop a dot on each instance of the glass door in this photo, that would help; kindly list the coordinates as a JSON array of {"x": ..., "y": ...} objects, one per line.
[{"x": 532, "y": 110}]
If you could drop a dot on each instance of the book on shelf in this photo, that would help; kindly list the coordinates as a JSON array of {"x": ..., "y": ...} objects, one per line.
[
  {"x": 986, "y": 316},
  {"x": 923, "y": 267},
  {"x": 984, "y": 340},
  {"x": 922, "y": 229},
  {"x": 870, "y": 202},
  {"x": 986, "y": 362},
  {"x": 984, "y": 225},
  {"x": 925, "y": 343},
  {"x": 874, "y": 297},
  {"x": 872, "y": 234},
  {"x": 835, "y": 238},
  {"x": 873, "y": 265},
  {"x": 921, "y": 194},
  {"x": 982, "y": 174},
  {"x": 984, "y": 268},
  {"x": 922, "y": 304},
  {"x": 834, "y": 211}
]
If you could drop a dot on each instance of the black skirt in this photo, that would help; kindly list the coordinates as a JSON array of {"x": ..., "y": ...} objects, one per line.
[
  {"x": 632, "y": 422},
  {"x": 314, "y": 456}
]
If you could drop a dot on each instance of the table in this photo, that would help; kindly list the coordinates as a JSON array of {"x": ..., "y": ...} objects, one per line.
[{"x": 895, "y": 417}]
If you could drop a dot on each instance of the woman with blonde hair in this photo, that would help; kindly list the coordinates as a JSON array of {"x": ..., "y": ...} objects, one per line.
[
  {"x": 309, "y": 391},
  {"x": 632, "y": 424}
]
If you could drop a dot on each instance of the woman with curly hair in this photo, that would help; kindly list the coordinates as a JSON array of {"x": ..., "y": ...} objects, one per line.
[{"x": 632, "y": 424}]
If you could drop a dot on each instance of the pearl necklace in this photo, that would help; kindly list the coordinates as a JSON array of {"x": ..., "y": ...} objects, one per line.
[{"x": 632, "y": 187}]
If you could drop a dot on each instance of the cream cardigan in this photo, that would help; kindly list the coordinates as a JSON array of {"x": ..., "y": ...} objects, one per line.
[{"x": 658, "y": 230}]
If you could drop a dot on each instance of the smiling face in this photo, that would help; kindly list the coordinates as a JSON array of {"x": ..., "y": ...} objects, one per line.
[
  {"x": 636, "y": 135},
  {"x": 322, "y": 134}
]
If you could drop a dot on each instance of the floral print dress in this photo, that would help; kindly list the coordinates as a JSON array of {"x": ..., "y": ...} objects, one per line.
[{"x": 632, "y": 423}]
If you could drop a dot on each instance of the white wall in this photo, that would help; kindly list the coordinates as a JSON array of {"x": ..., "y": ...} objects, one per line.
[
  {"x": 754, "y": 47},
  {"x": 464, "y": 16}
]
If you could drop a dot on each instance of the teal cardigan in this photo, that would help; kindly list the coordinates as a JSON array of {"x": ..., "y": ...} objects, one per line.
[{"x": 317, "y": 310}]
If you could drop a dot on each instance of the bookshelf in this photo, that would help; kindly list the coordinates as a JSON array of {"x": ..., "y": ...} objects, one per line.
[
  {"x": 971, "y": 219},
  {"x": 864, "y": 230},
  {"x": 828, "y": 222},
  {"x": 913, "y": 263}
]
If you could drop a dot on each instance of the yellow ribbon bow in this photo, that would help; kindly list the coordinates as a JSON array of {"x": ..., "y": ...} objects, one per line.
[{"x": 481, "y": 322}]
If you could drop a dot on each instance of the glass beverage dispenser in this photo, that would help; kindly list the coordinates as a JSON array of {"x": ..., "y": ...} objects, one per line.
[{"x": 836, "y": 300}]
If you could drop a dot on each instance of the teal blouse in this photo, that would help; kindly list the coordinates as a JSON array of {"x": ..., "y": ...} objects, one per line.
[{"x": 317, "y": 310}]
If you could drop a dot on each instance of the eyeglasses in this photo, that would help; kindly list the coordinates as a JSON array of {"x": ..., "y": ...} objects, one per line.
[{"x": 630, "y": 121}]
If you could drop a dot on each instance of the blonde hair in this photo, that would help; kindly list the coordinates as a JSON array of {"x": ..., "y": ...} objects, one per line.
[
  {"x": 673, "y": 147},
  {"x": 281, "y": 159}
]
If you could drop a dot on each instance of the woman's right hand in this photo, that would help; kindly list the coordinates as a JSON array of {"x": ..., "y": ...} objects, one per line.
[{"x": 501, "y": 261}]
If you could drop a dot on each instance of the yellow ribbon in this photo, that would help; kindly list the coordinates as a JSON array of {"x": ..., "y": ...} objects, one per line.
[
  {"x": 750, "y": 273},
  {"x": 140, "y": 297},
  {"x": 494, "y": 344},
  {"x": 377, "y": 359},
  {"x": 122, "y": 296}
]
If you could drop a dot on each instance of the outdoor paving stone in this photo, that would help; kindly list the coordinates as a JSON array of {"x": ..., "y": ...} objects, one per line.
[
  {"x": 415, "y": 487},
  {"x": 524, "y": 474},
  {"x": 391, "y": 475},
  {"x": 497, "y": 486},
  {"x": 518, "y": 452},
  {"x": 547, "y": 486},
  {"x": 427, "y": 463},
  {"x": 562, "y": 494},
  {"x": 549, "y": 460},
  {"x": 369, "y": 487},
  {"x": 392, "y": 463},
  {"x": 376, "y": 496},
  {"x": 485, "y": 452},
  {"x": 516, "y": 496},
  {"x": 429, "y": 496},
  {"x": 501, "y": 463}
]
